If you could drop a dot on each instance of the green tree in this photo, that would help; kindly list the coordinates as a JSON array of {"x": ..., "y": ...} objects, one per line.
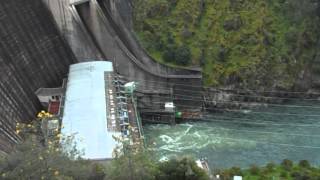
[
  {"x": 169, "y": 55},
  {"x": 287, "y": 164},
  {"x": 181, "y": 169},
  {"x": 132, "y": 166},
  {"x": 183, "y": 55},
  {"x": 34, "y": 159},
  {"x": 254, "y": 170},
  {"x": 304, "y": 164},
  {"x": 270, "y": 167}
]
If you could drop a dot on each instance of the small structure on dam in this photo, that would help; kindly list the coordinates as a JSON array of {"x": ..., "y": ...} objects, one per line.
[{"x": 95, "y": 110}]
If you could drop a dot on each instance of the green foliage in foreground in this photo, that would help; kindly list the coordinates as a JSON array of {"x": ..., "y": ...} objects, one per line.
[
  {"x": 35, "y": 159},
  {"x": 246, "y": 42},
  {"x": 31, "y": 160},
  {"x": 141, "y": 167},
  {"x": 287, "y": 170},
  {"x": 183, "y": 169},
  {"x": 38, "y": 162}
]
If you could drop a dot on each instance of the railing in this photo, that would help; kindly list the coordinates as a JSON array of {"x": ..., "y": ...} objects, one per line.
[{"x": 138, "y": 119}]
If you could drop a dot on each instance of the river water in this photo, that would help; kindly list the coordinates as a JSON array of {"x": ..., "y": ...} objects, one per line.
[{"x": 242, "y": 138}]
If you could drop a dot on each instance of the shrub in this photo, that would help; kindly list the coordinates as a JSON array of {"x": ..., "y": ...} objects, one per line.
[
  {"x": 304, "y": 164},
  {"x": 235, "y": 171},
  {"x": 233, "y": 24},
  {"x": 31, "y": 159},
  {"x": 284, "y": 174},
  {"x": 179, "y": 169},
  {"x": 300, "y": 175},
  {"x": 183, "y": 55},
  {"x": 270, "y": 167},
  {"x": 287, "y": 164},
  {"x": 254, "y": 170},
  {"x": 168, "y": 55},
  {"x": 202, "y": 58}
]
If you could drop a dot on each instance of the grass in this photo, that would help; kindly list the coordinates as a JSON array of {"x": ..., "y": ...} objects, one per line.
[{"x": 257, "y": 48}]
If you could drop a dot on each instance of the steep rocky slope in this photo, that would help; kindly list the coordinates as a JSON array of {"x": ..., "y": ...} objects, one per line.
[{"x": 243, "y": 43}]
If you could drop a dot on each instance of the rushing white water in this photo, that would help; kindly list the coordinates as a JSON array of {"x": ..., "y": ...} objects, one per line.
[{"x": 244, "y": 138}]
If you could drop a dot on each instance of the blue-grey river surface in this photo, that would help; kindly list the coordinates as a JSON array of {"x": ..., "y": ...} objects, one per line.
[{"x": 290, "y": 131}]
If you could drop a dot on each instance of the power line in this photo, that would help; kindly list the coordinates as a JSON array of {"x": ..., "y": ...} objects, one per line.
[
  {"x": 237, "y": 95},
  {"x": 273, "y": 97},
  {"x": 253, "y": 112},
  {"x": 241, "y": 90},
  {"x": 317, "y": 120},
  {"x": 224, "y": 119},
  {"x": 259, "y": 132},
  {"x": 266, "y": 104},
  {"x": 262, "y": 122},
  {"x": 278, "y": 91},
  {"x": 259, "y": 112},
  {"x": 253, "y": 96},
  {"x": 239, "y": 102},
  {"x": 167, "y": 83}
]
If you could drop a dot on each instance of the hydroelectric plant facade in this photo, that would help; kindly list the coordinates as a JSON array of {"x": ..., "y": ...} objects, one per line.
[{"x": 95, "y": 108}]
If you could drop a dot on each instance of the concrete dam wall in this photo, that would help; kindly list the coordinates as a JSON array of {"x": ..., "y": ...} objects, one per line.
[{"x": 32, "y": 55}]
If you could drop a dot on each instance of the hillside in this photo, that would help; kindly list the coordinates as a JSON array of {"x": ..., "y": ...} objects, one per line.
[{"x": 245, "y": 43}]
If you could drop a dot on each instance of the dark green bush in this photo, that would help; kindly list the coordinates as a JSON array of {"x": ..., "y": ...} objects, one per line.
[
  {"x": 287, "y": 164},
  {"x": 284, "y": 174},
  {"x": 254, "y": 170},
  {"x": 304, "y": 164},
  {"x": 168, "y": 55},
  {"x": 270, "y": 167},
  {"x": 183, "y": 55},
  {"x": 181, "y": 169}
]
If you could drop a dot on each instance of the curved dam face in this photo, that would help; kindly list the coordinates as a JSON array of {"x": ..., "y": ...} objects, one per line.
[
  {"x": 101, "y": 30},
  {"x": 32, "y": 55}
]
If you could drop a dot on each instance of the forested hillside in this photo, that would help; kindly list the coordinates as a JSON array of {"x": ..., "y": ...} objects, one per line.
[{"x": 247, "y": 43}]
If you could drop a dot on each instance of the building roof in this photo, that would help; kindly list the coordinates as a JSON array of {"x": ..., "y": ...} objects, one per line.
[
  {"x": 85, "y": 110},
  {"x": 49, "y": 91}
]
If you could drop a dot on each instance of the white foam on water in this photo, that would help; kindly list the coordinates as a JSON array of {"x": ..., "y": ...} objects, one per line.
[
  {"x": 163, "y": 159},
  {"x": 188, "y": 129},
  {"x": 246, "y": 111},
  {"x": 170, "y": 148},
  {"x": 190, "y": 147},
  {"x": 196, "y": 134},
  {"x": 166, "y": 138},
  {"x": 181, "y": 139},
  {"x": 204, "y": 145},
  {"x": 225, "y": 148}
]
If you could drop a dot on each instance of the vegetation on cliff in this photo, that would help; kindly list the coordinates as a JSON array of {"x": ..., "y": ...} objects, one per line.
[{"x": 244, "y": 42}]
